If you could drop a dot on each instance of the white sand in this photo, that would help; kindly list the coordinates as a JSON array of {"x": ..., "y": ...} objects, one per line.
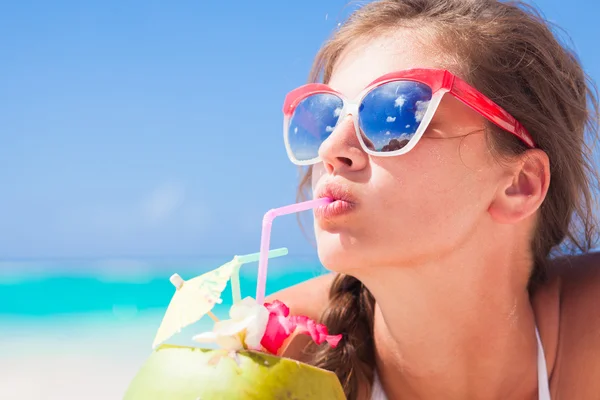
[
  {"x": 76, "y": 358},
  {"x": 78, "y": 374}
]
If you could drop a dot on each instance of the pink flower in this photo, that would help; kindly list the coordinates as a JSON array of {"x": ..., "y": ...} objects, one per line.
[
  {"x": 281, "y": 326},
  {"x": 318, "y": 332}
]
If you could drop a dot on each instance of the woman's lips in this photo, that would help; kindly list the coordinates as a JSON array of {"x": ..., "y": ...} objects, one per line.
[
  {"x": 342, "y": 201},
  {"x": 334, "y": 209}
]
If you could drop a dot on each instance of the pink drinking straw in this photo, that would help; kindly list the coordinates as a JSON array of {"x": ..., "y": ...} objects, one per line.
[{"x": 266, "y": 238}]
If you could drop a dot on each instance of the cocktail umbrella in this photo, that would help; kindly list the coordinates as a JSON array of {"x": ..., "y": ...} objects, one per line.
[{"x": 196, "y": 297}]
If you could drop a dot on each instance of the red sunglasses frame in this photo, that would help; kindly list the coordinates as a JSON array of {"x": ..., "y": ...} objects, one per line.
[{"x": 439, "y": 80}]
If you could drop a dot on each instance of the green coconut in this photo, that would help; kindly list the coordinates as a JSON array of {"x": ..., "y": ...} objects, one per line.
[{"x": 189, "y": 373}]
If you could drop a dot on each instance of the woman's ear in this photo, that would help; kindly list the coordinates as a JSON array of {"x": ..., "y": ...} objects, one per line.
[{"x": 524, "y": 188}]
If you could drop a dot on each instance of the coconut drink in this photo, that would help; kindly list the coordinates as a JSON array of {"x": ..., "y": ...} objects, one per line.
[
  {"x": 248, "y": 363},
  {"x": 246, "y": 366},
  {"x": 188, "y": 373}
]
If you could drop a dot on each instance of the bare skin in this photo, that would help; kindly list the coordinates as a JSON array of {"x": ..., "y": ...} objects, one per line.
[
  {"x": 564, "y": 310},
  {"x": 453, "y": 319}
]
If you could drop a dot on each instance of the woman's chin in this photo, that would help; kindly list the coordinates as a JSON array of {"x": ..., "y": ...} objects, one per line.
[
  {"x": 349, "y": 254},
  {"x": 339, "y": 253}
]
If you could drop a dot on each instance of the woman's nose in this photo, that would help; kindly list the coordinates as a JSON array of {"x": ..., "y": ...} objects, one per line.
[{"x": 342, "y": 151}]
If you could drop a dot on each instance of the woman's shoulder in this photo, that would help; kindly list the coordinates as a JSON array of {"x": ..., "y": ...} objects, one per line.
[
  {"x": 574, "y": 282},
  {"x": 568, "y": 313}
]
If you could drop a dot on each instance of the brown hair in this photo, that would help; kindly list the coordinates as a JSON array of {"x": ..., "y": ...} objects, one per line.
[{"x": 508, "y": 52}]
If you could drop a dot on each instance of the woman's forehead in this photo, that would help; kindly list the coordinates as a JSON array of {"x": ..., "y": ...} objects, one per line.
[{"x": 363, "y": 61}]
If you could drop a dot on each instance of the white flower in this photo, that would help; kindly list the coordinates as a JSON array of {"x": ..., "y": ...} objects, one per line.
[{"x": 244, "y": 330}]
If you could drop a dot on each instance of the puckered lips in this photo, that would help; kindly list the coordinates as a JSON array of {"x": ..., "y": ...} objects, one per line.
[{"x": 342, "y": 200}]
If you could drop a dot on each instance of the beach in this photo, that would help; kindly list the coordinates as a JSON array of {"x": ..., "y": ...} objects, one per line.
[
  {"x": 74, "y": 357},
  {"x": 78, "y": 335}
]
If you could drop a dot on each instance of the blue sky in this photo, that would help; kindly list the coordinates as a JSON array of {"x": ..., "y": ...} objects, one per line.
[{"x": 149, "y": 128}]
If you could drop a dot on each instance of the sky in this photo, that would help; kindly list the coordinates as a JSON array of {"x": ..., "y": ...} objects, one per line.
[{"x": 149, "y": 128}]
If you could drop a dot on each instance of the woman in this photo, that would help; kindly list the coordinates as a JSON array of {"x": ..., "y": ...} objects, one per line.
[{"x": 451, "y": 135}]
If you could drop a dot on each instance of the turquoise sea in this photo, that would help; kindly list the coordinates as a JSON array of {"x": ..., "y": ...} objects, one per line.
[{"x": 73, "y": 329}]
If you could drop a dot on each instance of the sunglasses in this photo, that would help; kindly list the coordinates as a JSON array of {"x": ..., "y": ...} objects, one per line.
[{"x": 390, "y": 115}]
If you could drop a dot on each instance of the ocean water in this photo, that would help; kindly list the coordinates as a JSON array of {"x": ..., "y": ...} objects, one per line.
[{"x": 72, "y": 329}]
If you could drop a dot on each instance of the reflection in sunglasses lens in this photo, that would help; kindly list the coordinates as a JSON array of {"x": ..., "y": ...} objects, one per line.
[
  {"x": 390, "y": 114},
  {"x": 312, "y": 122}
]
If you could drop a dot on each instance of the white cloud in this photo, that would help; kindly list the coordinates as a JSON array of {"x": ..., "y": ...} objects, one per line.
[
  {"x": 337, "y": 112},
  {"x": 400, "y": 100},
  {"x": 388, "y": 133},
  {"x": 163, "y": 202},
  {"x": 421, "y": 108},
  {"x": 407, "y": 126},
  {"x": 167, "y": 218},
  {"x": 390, "y": 119},
  {"x": 296, "y": 130},
  {"x": 168, "y": 203},
  {"x": 329, "y": 128}
]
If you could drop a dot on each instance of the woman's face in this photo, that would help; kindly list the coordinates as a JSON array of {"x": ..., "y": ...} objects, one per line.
[{"x": 409, "y": 208}]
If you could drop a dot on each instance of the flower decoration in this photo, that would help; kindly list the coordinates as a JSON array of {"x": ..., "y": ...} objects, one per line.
[
  {"x": 244, "y": 330},
  {"x": 282, "y": 326},
  {"x": 267, "y": 327}
]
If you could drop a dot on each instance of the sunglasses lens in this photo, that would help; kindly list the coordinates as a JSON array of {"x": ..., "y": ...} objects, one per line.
[
  {"x": 390, "y": 114},
  {"x": 313, "y": 120}
]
